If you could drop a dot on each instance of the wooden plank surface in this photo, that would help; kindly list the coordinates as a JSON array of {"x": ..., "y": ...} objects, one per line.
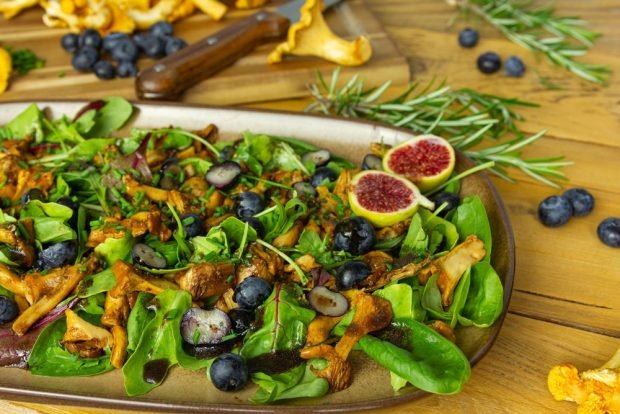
[
  {"x": 251, "y": 79},
  {"x": 565, "y": 306}
]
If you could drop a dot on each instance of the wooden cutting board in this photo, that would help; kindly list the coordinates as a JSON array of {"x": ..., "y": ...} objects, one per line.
[{"x": 251, "y": 79}]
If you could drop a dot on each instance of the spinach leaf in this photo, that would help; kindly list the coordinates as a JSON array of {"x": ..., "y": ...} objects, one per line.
[
  {"x": 285, "y": 323},
  {"x": 139, "y": 317},
  {"x": 459, "y": 298},
  {"x": 298, "y": 382},
  {"x": 470, "y": 217},
  {"x": 116, "y": 249},
  {"x": 176, "y": 141},
  {"x": 111, "y": 117},
  {"x": 160, "y": 341},
  {"x": 27, "y": 123},
  {"x": 49, "y": 221},
  {"x": 485, "y": 300},
  {"x": 50, "y": 358},
  {"x": 431, "y": 300},
  {"x": 416, "y": 240},
  {"x": 440, "y": 230},
  {"x": 94, "y": 284},
  {"x": 400, "y": 296},
  {"x": 433, "y": 364}
]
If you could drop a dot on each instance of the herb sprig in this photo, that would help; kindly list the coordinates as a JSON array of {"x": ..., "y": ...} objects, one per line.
[
  {"x": 560, "y": 38},
  {"x": 464, "y": 117},
  {"x": 25, "y": 60}
]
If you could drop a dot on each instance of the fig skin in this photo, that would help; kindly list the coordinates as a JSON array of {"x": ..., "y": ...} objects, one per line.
[{"x": 424, "y": 183}]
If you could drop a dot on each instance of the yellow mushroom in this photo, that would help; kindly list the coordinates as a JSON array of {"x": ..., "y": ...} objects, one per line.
[
  {"x": 211, "y": 8},
  {"x": 312, "y": 37},
  {"x": 84, "y": 338},
  {"x": 10, "y": 8},
  {"x": 6, "y": 66},
  {"x": 249, "y": 4}
]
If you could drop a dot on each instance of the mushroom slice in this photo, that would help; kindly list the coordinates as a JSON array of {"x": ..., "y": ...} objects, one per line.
[
  {"x": 10, "y": 8},
  {"x": 212, "y": 8},
  {"x": 84, "y": 338},
  {"x": 207, "y": 279},
  {"x": 249, "y": 4},
  {"x": 6, "y": 64},
  {"x": 10, "y": 281},
  {"x": 312, "y": 37},
  {"x": 71, "y": 276},
  {"x": 128, "y": 280},
  {"x": 119, "y": 347}
]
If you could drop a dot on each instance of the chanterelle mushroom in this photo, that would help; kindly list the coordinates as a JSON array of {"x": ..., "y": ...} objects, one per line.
[
  {"x": 84, "y": 338},
  {"x": 10, "y": 8},
  {"x": 6, "y": 65},
  {"x": 312, "y": 37}
]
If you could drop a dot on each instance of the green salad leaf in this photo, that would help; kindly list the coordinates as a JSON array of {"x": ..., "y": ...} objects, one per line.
[
  {"x": 485, "y": 300},
  {"x": 470, "y": 217},
  {"x": 27, "y": 123},
  {"x": 298, "y": 382},
  {"x": 49, "y": 221},
  {"x": 111, "y": 117}
]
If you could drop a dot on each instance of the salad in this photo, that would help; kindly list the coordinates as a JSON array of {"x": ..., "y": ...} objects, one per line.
[{"x": 261, "y": 260}]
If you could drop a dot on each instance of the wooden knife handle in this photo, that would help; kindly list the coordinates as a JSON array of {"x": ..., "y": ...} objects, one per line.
[{"x": 168, "y": 78}]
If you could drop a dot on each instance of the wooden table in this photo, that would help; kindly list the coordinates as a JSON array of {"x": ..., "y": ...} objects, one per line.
[{"x": 566, "y": 305}]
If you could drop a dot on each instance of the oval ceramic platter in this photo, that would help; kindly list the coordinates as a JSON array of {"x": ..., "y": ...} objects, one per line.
[{"x": 185, "y": 391}]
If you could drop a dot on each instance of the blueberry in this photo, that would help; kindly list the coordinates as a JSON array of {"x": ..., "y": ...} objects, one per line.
[
  {"x": 125, "y": 51},
  {"x": 174, "y": 44},
  {"x": 126, "y": 70},
  {"x": 68, "y": 202},
  {"x": 111, "y": 40},
  {"x": 229, "y": 372},
  {"x": 152, "y": 46},
  {"x": 57, "y": 255},
  {"x": 91, "y": 38},
  {"x": 248, "y": 204},
  {"x": 252, "y": 292},
  {"x": 321, "y": 174},
  {"x": 85, "y": 58},
  {"x": 554, "y": 211},
  {"x": 514, "y": 67},
  {"x": 351, "y": 273},
  {"x": 70, "y": 42},
  {"x": 140, "y": 39},
  {"x": 445, "y": 197},
  {"x": 354, "y": 235},
  {"x": 144, "y": 255},
  {"x": 104, "y": 70},
  {"x": 161, "y": 29},
  {"x": 468, "y": 38},
  {"x": 192, "y": 224},
  {"x": 256, "y": 224},
  {"x": 581, "y": 201},
  {"x": 8, "y": 309},
  {"x": 32, "y": 194},
  {"x": 241, "y": 319},
  {"x": 609, "y": 231},
  {"x": 489, "y": 62}
]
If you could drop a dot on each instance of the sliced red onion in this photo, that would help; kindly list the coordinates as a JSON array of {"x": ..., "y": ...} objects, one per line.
[
  {"x": 320, "y": 276},
  {"x": 223, "y": 175},
  {"x": 326, "y": 302},
  {"x": 205, "y": 327},
  {"x": 318, "y": 158}
]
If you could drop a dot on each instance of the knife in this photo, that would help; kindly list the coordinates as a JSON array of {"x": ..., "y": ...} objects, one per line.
[{"x": 168, "y": 78}]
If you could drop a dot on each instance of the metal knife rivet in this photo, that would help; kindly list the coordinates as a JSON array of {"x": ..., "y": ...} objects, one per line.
[
  {"x": 160, "y": 67},
  {"x": 212, "y": 40},
  {"x": 261, "y": 16}
]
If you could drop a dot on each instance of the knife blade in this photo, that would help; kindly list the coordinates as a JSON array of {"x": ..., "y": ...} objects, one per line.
[{"x": 169, "y": 77}]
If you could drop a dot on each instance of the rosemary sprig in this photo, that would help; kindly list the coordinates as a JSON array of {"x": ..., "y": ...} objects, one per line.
[
  {"x": 464, "y": 117},
  {"x": 560, "y": 38}
]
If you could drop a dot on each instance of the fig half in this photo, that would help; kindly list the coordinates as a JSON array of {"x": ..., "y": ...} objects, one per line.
[
  {"x": 426, "y": 160},
  {"x": 385, "y": 199}
]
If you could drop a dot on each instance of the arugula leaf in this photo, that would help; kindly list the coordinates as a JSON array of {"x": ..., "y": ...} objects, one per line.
[
  {"x": 285, "y": 323},
  {"x": 27, "y": 123},
  {"x": 111, "y": 117},
  {"x": 49, "y": 221},
  {"x": 50, "y": 358},
  {"x": 60, "y": 190},
  {"x": 259, "y": 146},
  {"x": 298, "y": 382},
  {"x": 286, "y": 159},
  {"x": 176, "y": 141},
  {"x": 116, "y": 249},
  {"x": 160, "y": 341},
  {"x": 235, "y": 228},
  {"x": 210, "y": 248},
  {"x": 94, "y": 284},
  {"x": 470, "y": 217}
]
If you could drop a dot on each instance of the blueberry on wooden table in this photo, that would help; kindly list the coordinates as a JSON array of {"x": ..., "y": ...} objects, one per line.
[
  {"x": 581, "y": 201},
  {"x": 229, "y": 372},
  {"x": 8, "y": 309},
  {"x": 252, "y": 292},
  {"x": 489, "y": 62},
  {"x": 110, "y": 41},
  {"x": 153, "y": 46},
  {"x": 90, "y": 37},
  {"x": 555, "y": 211},
  {"x": 162, "y": 29},
  {"x": 126, "y": 70},
  {"x": 85, "y": 58},
  {"x": 104, "y": 70},
  {"x": 70, "y": 42},
  {"x": 174, "y": 44},
  {"x": 468, "y": 38},
  {"x": 514, "y": 67},
  {"x": 125, "y": 50},
  {"x": 609, "y": 231}
]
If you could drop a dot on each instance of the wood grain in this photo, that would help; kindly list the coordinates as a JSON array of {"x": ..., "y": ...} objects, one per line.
[{"x": 565, "y": 306}]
